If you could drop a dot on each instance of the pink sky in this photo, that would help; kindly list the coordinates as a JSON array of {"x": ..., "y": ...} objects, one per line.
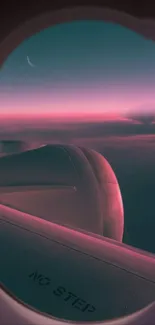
[
  {"x": 75, "y": 105},
  {"x": 111, "y": 101}
]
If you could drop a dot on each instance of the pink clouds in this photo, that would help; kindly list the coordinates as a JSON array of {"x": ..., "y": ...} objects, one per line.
[{"x": 135, "y": 141}]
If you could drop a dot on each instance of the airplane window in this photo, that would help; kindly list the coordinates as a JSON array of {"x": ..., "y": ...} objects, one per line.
[{"x": 89, "y": 83}]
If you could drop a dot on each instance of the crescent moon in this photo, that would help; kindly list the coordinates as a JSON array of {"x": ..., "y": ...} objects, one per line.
[{"x": 30, "y": 63}]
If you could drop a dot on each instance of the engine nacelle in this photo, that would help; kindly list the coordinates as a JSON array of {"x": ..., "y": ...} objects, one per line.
[{"x": 64, "y": 184}]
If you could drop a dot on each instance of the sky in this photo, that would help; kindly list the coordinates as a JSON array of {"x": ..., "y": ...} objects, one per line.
[{"x": 81, "y": 69}]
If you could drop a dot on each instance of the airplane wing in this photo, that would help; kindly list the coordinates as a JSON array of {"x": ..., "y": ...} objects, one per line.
[
  {"x": 15, "y": 312},
  {"x": 69, "y": 275}
]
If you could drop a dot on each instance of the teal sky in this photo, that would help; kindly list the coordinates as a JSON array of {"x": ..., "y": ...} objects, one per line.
[{"x": 80, "y": 67}]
